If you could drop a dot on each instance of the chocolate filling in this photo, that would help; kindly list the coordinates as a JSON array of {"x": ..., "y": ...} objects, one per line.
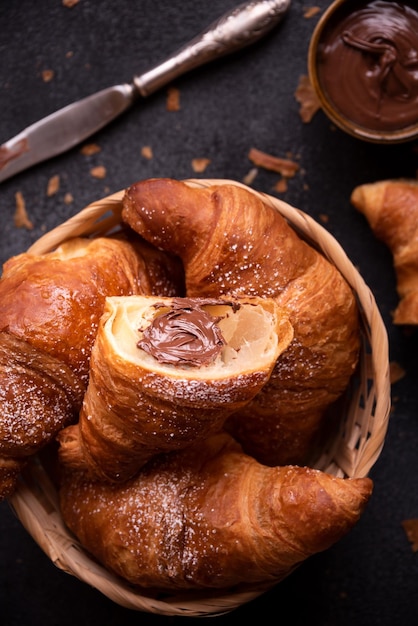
[
  {"x": 368, "y": 64},
  {"x": 187, "y": 334}
]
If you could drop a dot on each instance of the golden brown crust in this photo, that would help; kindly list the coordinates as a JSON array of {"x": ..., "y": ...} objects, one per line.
[
  {"x": 215, "y": 233},
  {"x": 231, "y": 242},
  {"x": 50, "y": 306},
  {"x": 54, "y": 301},
  {"x": 211, "y": 517},
  {"x": 10, "y": 470},
  {"x": 39, "y": 395},
  {"x": 391, "y": 209},
  {"x": 136, "y": 407}
]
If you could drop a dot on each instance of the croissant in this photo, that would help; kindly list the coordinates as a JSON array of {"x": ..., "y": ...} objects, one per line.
[
  {"x": 10, "y": 470},
  {"x": 50, "y": 306},
  {"x": 391, "y": 209},
  {"x": 210, "y": 516},
  {"x": 233, "y": 243},
  {"x": 167, "y": 372}
]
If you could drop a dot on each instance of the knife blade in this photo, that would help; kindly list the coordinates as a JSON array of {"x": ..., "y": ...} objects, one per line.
[{"x": 69, "y": 126}]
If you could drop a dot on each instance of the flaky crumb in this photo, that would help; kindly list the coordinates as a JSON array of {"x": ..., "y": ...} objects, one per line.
[
  {"x": 410, "y": 527},
  {"x": 47, "y": 75},
  {"x": 199, "y": 165},
  {"x": 98, "y": 172},
  {"x": 285, "y": 167},
  {"x": 311, "y": 12},
  {"x": 396, "y": 372},
  {"x": 281, "y": 185},
  {"x": 68, "y": 198},
  {"x": 146, "y": 152},
  {"x": 307, "y": 98},
  {"x": 324, "y": 218},
  {"x": 21, "y": 219},
  {"x": 53, "y": 185},
  {"x": 90, "y": 148},
  {"x": 69, "y": 3},
  {"x": 173, "y": 99},
  {"x": 250, "y": 177}
]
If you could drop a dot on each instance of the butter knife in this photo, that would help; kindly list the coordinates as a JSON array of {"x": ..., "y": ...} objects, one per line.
[{"x": 71, "y": 125}]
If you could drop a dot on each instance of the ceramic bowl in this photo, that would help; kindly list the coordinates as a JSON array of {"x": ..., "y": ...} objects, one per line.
[{"x": 350, "y": 85}]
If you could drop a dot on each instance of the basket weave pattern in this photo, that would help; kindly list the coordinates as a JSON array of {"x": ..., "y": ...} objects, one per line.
[{"x": 351, "y": 452}]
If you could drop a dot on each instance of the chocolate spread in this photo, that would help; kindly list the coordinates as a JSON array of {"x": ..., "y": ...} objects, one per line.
[
  {"x": 368, "y": 63},
  {"x": 185, "y": 335}
]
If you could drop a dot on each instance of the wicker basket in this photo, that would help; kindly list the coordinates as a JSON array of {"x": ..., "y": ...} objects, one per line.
[{"x": 351, "y": 452}]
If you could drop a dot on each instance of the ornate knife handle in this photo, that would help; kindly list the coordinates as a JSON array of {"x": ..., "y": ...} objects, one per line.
[{"x": 234, "y": 30}]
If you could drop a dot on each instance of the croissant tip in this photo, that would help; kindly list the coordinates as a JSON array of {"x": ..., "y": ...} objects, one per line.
[{"x": 70, "y": 453}]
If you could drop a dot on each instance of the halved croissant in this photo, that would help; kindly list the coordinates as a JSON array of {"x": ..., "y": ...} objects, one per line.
[
  {"x": 167, "y": 372},
  {"x": 50, "y": 306},
  {"x": 391, "y": 209},
  {"x": 210, "y": 517},
  {"x": 233, "y": 243}
]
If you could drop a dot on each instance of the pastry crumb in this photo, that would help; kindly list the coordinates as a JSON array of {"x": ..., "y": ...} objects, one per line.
[
  {"x": 199, "y": 165},
  {"x": 90, "y": 148},
  {"x": 396, "y": 372},
  {"x": 173, "y": 99},
  {"x": 281, "y": 185},
  {"x": 146, "y": 152},
  {"x": 410, "y": 527},
  {"x": 286, "y": 167},
  {"x": 311, "y": 12},
  {"x": 69, "y": 3},
  {"x": 21, "y": 218},
  {"x": 53, "y": 185},
  {"x": 47, "y": 75},
  {"x": 98, "y": 172},
  {"x": 307, "y": 98},
  {"x": 250, "y": 177}
]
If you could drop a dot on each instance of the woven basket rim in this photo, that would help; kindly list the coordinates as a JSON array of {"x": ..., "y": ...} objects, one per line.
[{"x": 353, "y": 452}]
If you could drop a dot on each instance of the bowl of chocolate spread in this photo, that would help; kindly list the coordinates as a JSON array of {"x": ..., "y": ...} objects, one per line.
[{"x": 363, "y": 65}]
